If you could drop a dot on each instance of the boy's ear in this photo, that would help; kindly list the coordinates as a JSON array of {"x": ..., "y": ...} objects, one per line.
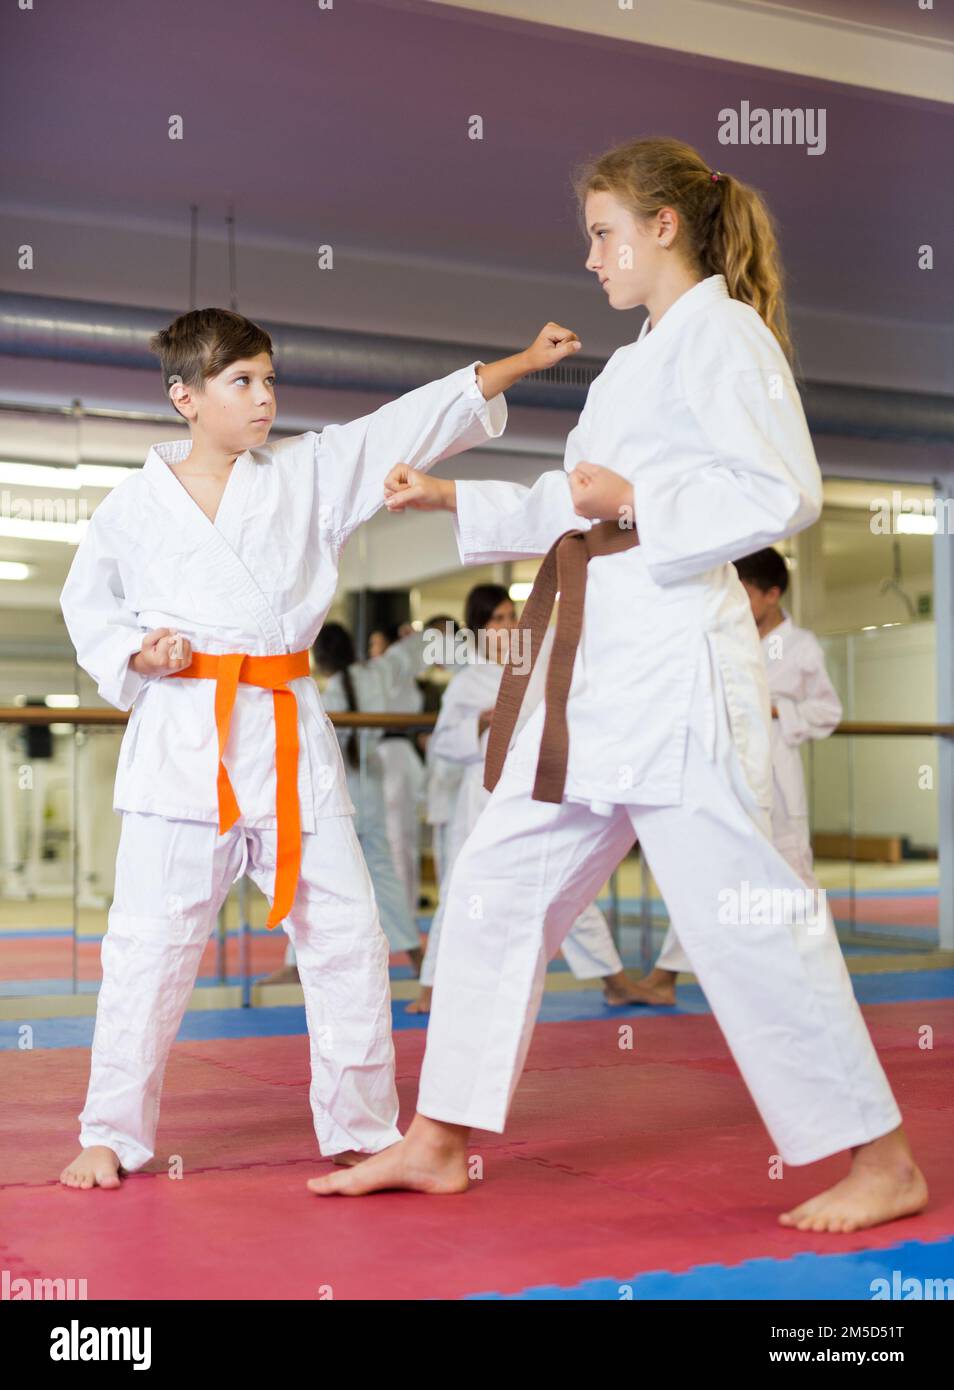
[{"x": 182, "y": 398}]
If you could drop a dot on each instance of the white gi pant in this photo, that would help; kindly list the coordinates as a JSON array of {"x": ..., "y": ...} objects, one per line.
[
  {"x": 588, "y": 947},
  {"x": 404, "y": 783},
  {"x": 792, "y": 839},
  {"x": 172, "y": 878},
  {"x": 781, "y": 994}
]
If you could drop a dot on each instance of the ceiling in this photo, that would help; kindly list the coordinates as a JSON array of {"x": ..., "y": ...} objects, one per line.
[{"x": 349, "y": 126}]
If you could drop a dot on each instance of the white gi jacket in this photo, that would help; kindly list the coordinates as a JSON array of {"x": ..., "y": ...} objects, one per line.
[
  {"x": 808, "y": 707},
  {"x": 258, "y": 580},
  {"x": 702, "y": 415},
  {"x": 473, "y": 689}
]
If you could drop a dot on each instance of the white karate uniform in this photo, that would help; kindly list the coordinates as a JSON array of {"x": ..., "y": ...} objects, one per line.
[
  {"x": 367, "y": 789},
  {"x": 258, "y": 580},
  {"x": 443, "y": 787},
  {"x": 808, "y": 707},
  {"x": 668, "y": 720},
  {"x": 588, "y": 949},
  {"x": 404, "y": 775}
]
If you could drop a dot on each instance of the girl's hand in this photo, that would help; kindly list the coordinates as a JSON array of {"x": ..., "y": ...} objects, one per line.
[
  {"x": 409, "y": 487},
  {"x": 162, "y": 651},
  {"x": 599, "y": 494},
  {"x": 550, "y": 346}
]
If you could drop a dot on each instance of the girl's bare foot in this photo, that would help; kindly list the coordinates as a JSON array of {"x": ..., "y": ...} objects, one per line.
[
  {"x": 288, "y": 975},
  {"x": 422, "y": 1004},
  {"x": 432, "y": 1157},
  {"x": 884, "y": 1184},
  {"x": 96, "y": 1166},
  {"x": 619, "y": 989}
]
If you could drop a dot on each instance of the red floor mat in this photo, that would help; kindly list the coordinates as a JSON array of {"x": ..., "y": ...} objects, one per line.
[
  {"x": 51, "y": 958},
  {"x": 613, "y": 1164}
]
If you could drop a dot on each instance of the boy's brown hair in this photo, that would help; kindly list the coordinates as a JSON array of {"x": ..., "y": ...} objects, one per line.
[{"x": 202, "y": 343}]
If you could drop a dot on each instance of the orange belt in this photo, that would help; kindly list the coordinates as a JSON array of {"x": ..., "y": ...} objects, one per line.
[{"x": 269, "y": 673}]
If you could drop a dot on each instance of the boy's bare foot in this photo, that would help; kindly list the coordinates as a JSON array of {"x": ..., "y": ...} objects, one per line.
[
  {"x": 287, "y": 975},
  {"x": 432, "y": 1157},
  {"x": 884, "y": 1184},
  {"x": 96, "y": 1166},
  {"x": 619, "y": 989},
  {"x": 422, "y": 1004},
  {"x": 658, "y": 987}
]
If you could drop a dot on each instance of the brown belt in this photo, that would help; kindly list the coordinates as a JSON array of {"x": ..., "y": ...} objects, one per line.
[{"x": 563, "y": 570}]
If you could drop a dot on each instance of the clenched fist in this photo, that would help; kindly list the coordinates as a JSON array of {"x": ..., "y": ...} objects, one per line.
[
  {"x": 162, "y": 651},
  {"x": 550, "y": 346},
  {"x": 409, "y": 487},
  {"x": 599, "y": 494}
]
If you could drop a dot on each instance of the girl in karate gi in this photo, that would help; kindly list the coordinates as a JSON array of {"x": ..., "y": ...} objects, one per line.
[
  {"x": 694, "y": 444},
  {"x": 805, "y": 706},
  {"x": 460, "y": 736},
  {"x": 194, "y": 597}
]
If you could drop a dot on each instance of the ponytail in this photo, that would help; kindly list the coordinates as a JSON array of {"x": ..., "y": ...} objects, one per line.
[{"x": 725, "y": 226}]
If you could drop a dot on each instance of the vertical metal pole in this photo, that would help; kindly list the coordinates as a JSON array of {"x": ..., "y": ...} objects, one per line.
[
  {"x": 75, "y": 856},
  {"x": 850, "y": 782},
  {"x": 614, "y": 907},
  {"x": 646, "y": 915},
  {"x": 220, "y": 962},
  {"x": 245, "y": 944},
  {"x": 944, "y": 630}
]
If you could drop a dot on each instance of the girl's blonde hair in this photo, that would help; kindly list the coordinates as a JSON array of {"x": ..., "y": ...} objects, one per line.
[{"x": 725, "y": 226}]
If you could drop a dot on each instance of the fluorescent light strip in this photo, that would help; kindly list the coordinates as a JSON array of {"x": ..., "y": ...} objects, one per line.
[
  {"x": 14, "y": 569},
  {"x": 98, "y": 475},
  {"x": 67, "y": 532}
]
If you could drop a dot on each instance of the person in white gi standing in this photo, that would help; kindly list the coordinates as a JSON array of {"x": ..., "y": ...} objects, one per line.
[
  {"x": 365, "y": 686},
  {"x": 692, "y": 449},
  {"x": 460, "y": 736},
  {"x": 404, "y": 773},
  {"x": 804, "y": 705},
  {"x": 194, "y": 597}
]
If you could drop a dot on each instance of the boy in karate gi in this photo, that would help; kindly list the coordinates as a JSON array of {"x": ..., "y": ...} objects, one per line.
[
  {"x": 804, "y": 705},
  {"x": 692, "y": 449},
  {"x": 194, "y": 598}
]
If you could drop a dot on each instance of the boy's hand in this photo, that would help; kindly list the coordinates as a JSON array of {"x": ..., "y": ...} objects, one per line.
[
  {"x": 162, "y": 651},
  {"x": 599, "y": 494},
  {"x": 409, "y": 487},
  {"x": 550, "y": 346}
]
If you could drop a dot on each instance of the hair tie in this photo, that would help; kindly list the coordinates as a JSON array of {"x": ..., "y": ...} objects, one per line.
[{"x": 715, "y": 177}]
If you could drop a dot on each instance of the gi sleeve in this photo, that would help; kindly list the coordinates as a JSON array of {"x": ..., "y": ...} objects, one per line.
[
  {"x": 740, "y": 475},
  {"x": 817, "y": 711},
  {"x": 102, "y": 627},
  {"x": 400, "y": 663},
  {"x": 421, "y": 428},
  {"x": 507, "y": 521}
]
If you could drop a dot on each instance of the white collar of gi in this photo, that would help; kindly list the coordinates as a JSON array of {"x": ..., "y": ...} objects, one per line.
[
  {"x": 704, "y": 292},
  {"x": 157, "y": 468}
]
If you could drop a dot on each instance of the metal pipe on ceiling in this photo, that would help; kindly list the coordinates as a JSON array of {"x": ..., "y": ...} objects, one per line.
[{"x": 117, "y": 335}]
